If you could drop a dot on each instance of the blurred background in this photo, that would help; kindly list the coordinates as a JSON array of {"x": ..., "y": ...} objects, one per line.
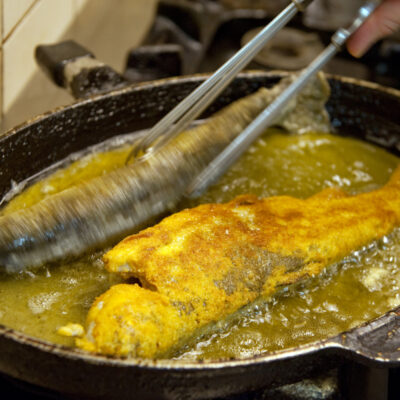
[
  {"x": 108, "y": 28},
  {"x": 137, "y": 37}
]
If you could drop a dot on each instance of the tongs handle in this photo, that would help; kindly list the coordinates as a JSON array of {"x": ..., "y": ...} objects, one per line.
[
  {"x": 185, "y": 112},
  {"x": 266, "y": 118}
]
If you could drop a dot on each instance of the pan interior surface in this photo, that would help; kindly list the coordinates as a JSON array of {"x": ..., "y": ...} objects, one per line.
[{"x": 360, "y": 288}]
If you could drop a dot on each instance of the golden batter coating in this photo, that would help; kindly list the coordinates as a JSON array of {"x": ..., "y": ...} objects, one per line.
[{"x": 200, "y": 265}]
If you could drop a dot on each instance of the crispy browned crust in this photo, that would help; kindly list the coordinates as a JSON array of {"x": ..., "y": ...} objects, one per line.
[{"x": 200, "y": 265}]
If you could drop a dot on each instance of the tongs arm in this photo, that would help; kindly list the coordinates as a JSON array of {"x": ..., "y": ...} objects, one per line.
[
  {"x": 266, "y": 118},
  {"x": 185, "y": 112}
]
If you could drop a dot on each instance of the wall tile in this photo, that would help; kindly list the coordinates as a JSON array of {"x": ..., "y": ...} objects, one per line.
[
  {"x": 108, "y": 28},
  {"x": 117, "y": 27},
  {"x": 13, "y": 11},
  {"x": 46, "y": 22}
]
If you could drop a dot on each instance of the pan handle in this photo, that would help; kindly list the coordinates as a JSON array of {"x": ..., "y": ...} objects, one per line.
[
  {"x": 376, "y": 343},
  {"x": 71, "y": 66}
]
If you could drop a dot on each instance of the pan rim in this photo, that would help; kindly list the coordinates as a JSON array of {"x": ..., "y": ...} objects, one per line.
[
  {"x": 170, "y": 364},
  {"x": 185, "y": 79},
  {"x": 73, "y": 353},
  {"x": 331, "y": 343}
]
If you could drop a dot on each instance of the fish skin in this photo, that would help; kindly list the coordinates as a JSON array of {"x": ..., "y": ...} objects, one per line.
[
  {"x": 107, "y": 208},
  {"x": 201, "y": 265}
]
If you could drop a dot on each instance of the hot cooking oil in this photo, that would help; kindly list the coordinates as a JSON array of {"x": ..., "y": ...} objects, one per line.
[{"x": 361, "y": 287}]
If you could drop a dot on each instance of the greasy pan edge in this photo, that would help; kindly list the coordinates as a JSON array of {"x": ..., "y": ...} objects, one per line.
[
  {"x": 189, "y": 78},
  {"x": 348, "y": 345}
]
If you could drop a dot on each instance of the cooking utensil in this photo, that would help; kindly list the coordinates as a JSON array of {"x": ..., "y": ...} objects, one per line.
[
  {"x": 239, "y": 145},
  {"x": 185, "y": 112},
  {"x": 357, "y": 108}
]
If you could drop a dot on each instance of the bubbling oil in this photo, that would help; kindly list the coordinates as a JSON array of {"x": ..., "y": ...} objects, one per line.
[{"x": 361, "y": 287}]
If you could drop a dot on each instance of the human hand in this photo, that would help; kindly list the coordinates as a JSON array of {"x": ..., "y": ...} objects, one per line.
[{"x": 384, "y": 21}]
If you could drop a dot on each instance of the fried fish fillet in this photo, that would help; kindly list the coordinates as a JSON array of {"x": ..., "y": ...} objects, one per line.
[{"x": 200, "y": 265}]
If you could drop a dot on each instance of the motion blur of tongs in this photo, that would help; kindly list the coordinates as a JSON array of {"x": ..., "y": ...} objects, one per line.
[
  {"x": 110, "y": 207},
  {"x": 193, "y": 105}
]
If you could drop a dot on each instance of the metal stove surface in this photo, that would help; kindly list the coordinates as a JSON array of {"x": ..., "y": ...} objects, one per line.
[
  {"x": 199, "y": 35},
  {"x": 350, "y": 382},
  {"x": 324, "y": 387}
]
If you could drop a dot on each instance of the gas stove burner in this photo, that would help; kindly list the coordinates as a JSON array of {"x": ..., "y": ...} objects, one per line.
[
  {"x": 195, "y": 24},
  {"x": 290, "y": 49},
  {"x": 190, "y": 36},
  {"x": 272, "y": 7}
]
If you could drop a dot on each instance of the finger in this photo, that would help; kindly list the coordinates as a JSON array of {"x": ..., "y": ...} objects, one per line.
[{"x": 383, "y": 22}]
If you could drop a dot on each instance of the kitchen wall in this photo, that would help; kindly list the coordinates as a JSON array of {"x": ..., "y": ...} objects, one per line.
[{"x": 109, "y": 28}]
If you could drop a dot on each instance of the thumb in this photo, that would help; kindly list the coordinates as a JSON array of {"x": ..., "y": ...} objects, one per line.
[{"x": 383, "y": 22}]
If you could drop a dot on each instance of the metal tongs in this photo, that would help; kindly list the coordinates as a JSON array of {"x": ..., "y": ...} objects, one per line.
[
  {"x": 109, "y": 207},
  {"x": 193, "y": 105}
]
